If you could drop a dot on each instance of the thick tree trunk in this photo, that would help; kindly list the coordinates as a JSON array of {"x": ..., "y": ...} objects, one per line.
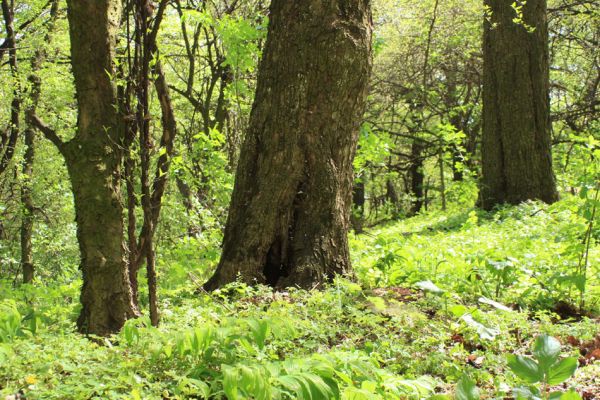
[
  {"x": 289, "y": 213},
  {"x": 517, "y": 164},
  {"x": 106, "y": 293},
  {"x": 93, "y": 160}
]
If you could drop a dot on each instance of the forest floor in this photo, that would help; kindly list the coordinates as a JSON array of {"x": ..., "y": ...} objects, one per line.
[{"x": 436, "y": 297}]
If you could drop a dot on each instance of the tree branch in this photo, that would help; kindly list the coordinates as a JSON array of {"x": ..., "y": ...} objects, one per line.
[{"x": 48, "y": 132}]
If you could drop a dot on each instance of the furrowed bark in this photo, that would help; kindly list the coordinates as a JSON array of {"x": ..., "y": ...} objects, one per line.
[
  {"x": 289, "y": 214},
  {"x": 517, "y": 162},
  {"x": 94, "y": 159}
]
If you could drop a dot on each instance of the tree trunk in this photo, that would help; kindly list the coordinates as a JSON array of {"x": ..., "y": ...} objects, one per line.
[
  {"x": 417, "y": 177},
  {"x": 517, "y": 163},
  {"x": 27, "y": 208},
  {"x": 93, "y": 159},
  {"x": 357, "y": 215},
  {"x": 289, "y": 214},
  {"x": 457, "y": 157},
  {"x": 392, "y": 197}
]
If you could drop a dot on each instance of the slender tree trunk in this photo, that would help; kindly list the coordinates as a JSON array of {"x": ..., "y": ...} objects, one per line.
[
  {"x": 457, "y": 157},
  {"x": 146, "y": 49},
  {"x": 442, "y": 179},
  {"x": 94, "y": 159},
  {"x": 358, "y": 204},
  {"x": 28, "y": 208},
  {"x": 392, "y": 196},
  {"x": 517, "y": 163},
  {"x": 417, "y": 177},
  {"x": 289, "y": 214}
]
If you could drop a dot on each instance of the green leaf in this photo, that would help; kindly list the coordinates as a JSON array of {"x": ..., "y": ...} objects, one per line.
[
  {"x": 562, "y": 370},
  {"x": 458, "y": 310},
  {"x": 525, "y": 393},
  {"x": 525, "y": 368},
  {"x": 570, "y": 395},
  {"x": 546, "y": 351},
  {"x": 466, "y": 389}
]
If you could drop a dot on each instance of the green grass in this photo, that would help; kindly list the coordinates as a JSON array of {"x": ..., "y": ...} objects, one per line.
[{"x": 353, "y": 340}]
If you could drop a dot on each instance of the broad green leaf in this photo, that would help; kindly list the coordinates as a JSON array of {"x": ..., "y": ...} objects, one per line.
[
  {"x": 525, "y": 393},
  {"x": 369, "y": 386},
  {"x": 353, "y": 393},
  {"x": 562, "y": 370},
  {"x": 525, "y": 368},
  {"x": 546, "y": 350},
  {"x": 466, "y": 389},
  {"x": 570, "y": 395},
  {"x": 458, "y": 310}
]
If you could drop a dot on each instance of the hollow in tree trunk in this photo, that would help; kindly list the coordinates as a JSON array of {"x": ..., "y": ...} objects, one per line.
[
  {"x": 517, "y": 163},
  {"x": 289, "y": 214}
]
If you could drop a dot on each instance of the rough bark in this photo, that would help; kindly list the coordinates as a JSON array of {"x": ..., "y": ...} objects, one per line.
[
  {"x": 289, "y": 213},
  {"x": 517, "y": 164},
  {"x": 93, "y": 159}
]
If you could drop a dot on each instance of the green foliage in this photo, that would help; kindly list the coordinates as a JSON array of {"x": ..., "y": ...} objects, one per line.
[
  {"x": 13, "y": 324},
  {"x": 439, "y": 298},
  {"x": 466, "y": 389},
  {"x": 545, "y": 368},
  {"x": 519, "y": 255},
  {"x": 10, "y": 321},
  {"x": 350, "y": 341}
]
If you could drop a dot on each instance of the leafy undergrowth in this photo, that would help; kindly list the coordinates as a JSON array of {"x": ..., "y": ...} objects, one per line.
[{"x": 438, "y": 298}]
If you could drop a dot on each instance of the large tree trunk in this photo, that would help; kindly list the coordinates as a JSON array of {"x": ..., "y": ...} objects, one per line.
[
  {"x": 517, "y": 164},
  {"x": 289, "y": 214},
  {"x": 93, "y": 160}
]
